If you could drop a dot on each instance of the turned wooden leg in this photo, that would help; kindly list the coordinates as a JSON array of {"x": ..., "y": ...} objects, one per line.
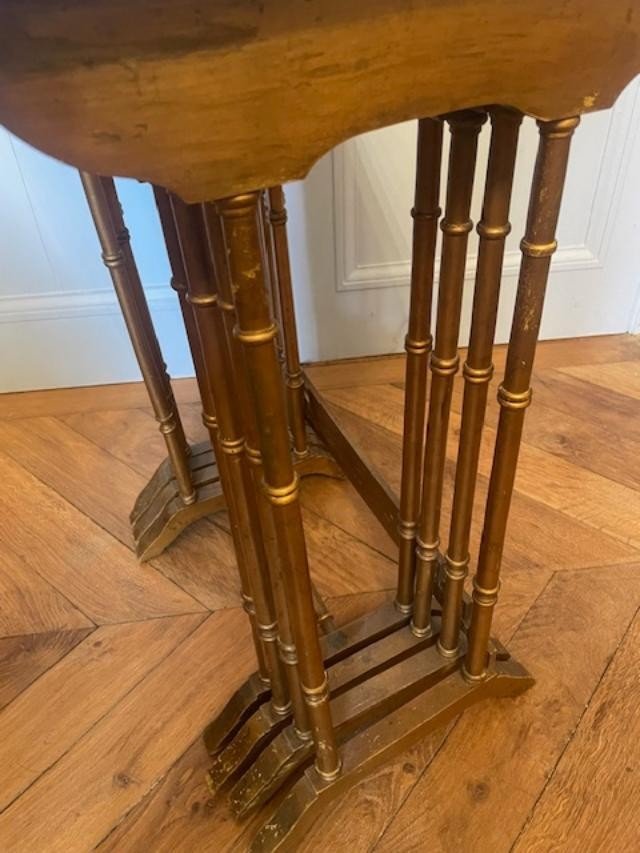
[
  {"x": 256, "y": 331},
  {"x": 478, "y": 369},
  {"x": 514, "y": 395},
  {"x": 179, "y": 284},
  {"x": 116, "y": 252},
  {"x": 425, "y": 215},
  {"x": 283, "y": 298},
  {"x": 271, "y": 277},
  {"x": 228, "y": 443},
  {"x": 456, "y": 225},
  {"x": 286, "y": 644}
]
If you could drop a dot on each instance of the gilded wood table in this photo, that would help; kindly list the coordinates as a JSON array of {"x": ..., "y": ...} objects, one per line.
[{"x": 212, "y": 103}]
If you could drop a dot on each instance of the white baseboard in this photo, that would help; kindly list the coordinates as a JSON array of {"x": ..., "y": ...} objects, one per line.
[{"x": 75, "y": 338}]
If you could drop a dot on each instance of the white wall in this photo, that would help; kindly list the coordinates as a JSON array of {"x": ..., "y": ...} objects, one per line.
[
  {"x": 349, "y": 230},
  {"x": 353, "y": 231},
  {"x": 59, "y": 320}
]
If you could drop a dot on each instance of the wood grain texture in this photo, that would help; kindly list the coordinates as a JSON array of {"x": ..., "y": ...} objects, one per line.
[
  {"x": 340, "y": 564},
  {"x": 590, "y": 802},
  {"x": 23, "y": 659},
  {"x": 131, "y": 434},
  {"x": 167, "y": 101},
  {"x": 502, "y": 753},
  {"x": 88, "y": 566},
  {"x": 103, "y": 488},
  {"x": 549, "y": 769},
  {"x": 83, "y": 796},
  {"x": 538, "y": 534},
  {"x": 390, "y": 369},
  {"x": 29, "y": 605},
  {"x": 621, "y": 377},
  {"x": 41, "y": 724},
  {"x": 92, "y": 480}
]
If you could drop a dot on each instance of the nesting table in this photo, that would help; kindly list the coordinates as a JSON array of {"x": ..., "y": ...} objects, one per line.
[{"x": 217, "y": 105}]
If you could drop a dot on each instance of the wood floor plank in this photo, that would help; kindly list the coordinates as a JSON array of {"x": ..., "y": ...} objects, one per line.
[
  {"x": 357, "y": 821},
  {"x": 477, "y": 792},
  {"x": 105, "y": 489},
  {"x": 538, "y": 535},
  {"x": 569, "y": 488},
  {"x": 203, "y": 563},
  {"x": 92, "y": 480},
  {"x": 85, "y": 795},
  {"x": 338, "y": 502},
  {"x": 590, "y": 801},
  {"x": 65, "y": 401},
  {"x": 23, "y": 659},
  {"x": 48, "y": 718},
  {"x": 86, "y": 564},
  {"x": 339, "y": 563},
  {"x": 594, "y": 404},
  {"x": 191, "y": 414},
  {"x": 561, "y": 421},
  {"x": 131, "y": 435},
  {"x": 30, "y": 605},
  {"x": 379, "y": 370},
  {"x": 558, "y": 353},
  {"x": 622, "y": 377}
]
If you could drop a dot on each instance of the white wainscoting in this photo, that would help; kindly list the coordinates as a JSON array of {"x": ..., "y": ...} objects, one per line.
[
  {"x": 594, "y": 284},
  {"x": 350, "y": 238}
]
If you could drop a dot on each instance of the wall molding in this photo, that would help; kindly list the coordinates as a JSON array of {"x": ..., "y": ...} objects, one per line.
[
  {"x": 71, "y": 304},
  {"x": 589, "y": 254},
  {"x": 366, "y": 276}
]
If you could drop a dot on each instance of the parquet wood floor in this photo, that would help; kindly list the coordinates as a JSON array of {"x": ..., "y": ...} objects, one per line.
[{"x": 109, "y": 670}]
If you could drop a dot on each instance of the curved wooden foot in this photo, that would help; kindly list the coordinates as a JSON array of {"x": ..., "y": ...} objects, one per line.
[
  {"x": 200, "y": 455},
  {"x": 394, "y": 681},
  {"x": 337, "y": 646},
  {"x": 379, "y": 743},
  {"x": 343, "y": 675},
  {"x": 159, "y": 515},
  {"x": 249, "y": 696}
]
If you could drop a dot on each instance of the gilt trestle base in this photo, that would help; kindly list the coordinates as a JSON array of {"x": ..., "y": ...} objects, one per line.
[
  {"x": 427, "y": 655},
  {"x": 326, "y": 705},
  {"x": 160, "y": 515},
  {"x": 222, "y": 115}
]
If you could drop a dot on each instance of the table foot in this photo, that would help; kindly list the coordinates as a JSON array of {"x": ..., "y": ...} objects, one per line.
[
  {"x": 262, "y": 729},
  {"x": 403, "y": 666},
  {"x": 336, "y": 646},
  {"x": 159, "y": 515},
  {"x": 431, "y": 709}
]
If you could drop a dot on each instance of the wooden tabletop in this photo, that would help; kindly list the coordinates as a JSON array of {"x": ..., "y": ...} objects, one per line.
[{"x": 215, "y": 98}]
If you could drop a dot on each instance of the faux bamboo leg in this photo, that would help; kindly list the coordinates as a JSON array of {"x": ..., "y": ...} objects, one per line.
[
  {"x": 271, "y": 276},
  {"x": 293, "y": 372},
  {"x": 159, "y": 516},
  {"x": 514, "y": 395},
  {"x": 425, "y": 215},
  {"x": 117, "y": 257},
  {"x": 241, "y": 221},
  {"x": 229, "y": 446},
  {"x": 286, "y": 644},
  {"x": 179, "y": 284},
  {"x": 456, "y": 225},
  {"x": 478, "y": 369},
  {"x": 137, "y": 294}
]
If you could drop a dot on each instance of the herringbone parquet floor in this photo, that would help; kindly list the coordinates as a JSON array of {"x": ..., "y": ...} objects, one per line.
[{"x": 109, "y": 669}]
